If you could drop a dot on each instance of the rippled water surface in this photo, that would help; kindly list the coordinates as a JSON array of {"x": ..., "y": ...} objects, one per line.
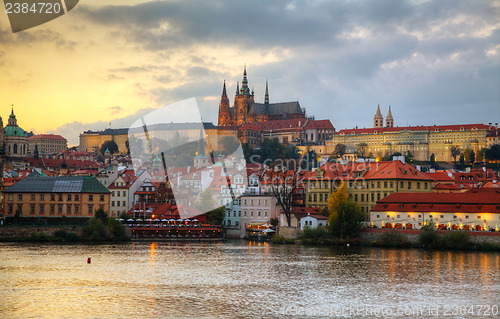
[{"x": 239, "y": 279}]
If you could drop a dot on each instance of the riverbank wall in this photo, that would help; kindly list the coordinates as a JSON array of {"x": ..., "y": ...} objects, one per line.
[
  {"x": 412, "y": 235},
  {"x": 7, "y": 232}
]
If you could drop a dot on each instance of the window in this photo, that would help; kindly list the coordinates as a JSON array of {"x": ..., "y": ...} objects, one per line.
[
  {"x": 355, "y": 197},
  {"x": 418, "y": 185},
  {"x": 425, "y": 185},
  {"x": 378, "y": 184},
  {"x": 265, "y": 213},
  {"x": 320, "y": 197},
  {"x": 478, "y": 217},
  {"x": 113, "y": 203},
  {"x": 91, "y": 198},
  {"x": 442, "y": 216},
  {"x": 52, "y": 197},
  {"x": 124, "y": 203},
  {"x": 466, "y": 216},
  {"x": 392, "y": 184},
  {"x": 52, "y": 208},
  {"x": 20, "y": 197},
  {"x": 77, "y": 197},
  {"x": 388, "y": 216},
  {"x": 113, "y": 193},
  {"x": 251, "y": 213},
  {"x": 315, "y": 197},
  {"x": 69, "y": 198},
  {"x": 385, "y": 184},
  {"x": 42, "y": 208},
  {"x": 102, "y": 198},
  {"x": 91, "y": 209},
  {"x": 11, "y": 197},
  {"x": 68, "y": 209},
  {"x": 409, "y": 185},
  {"x": 60, "y": 209},
  {"x": 118, "y": 203},
  {"x": 362, "y": 197},
  {"x": 32, "y": 196},
  {"x": 378, "y": 216},
  {"x": 258, "y": 213},
  {"x": 60, "y": 197},
  {"x": 402, "y": 184},
  {"x": 373, "y": 197},
  {"x": 397, "y": 216},
  {"x": 124, "y": 193},
  {"x": 32, "y": 208},
  {"x": 378, "y": 196},
  {"x": 77, "y": 209}
]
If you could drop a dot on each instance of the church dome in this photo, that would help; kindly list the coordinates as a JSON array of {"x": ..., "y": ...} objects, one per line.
[{"x": 14, "y": 131}]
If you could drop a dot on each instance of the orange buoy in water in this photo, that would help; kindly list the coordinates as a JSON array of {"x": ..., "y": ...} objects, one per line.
[{"x": 88, "y": 260}]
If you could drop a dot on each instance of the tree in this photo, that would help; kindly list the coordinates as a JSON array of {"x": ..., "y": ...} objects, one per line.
[
  {"x": 493, "y": 153},
  {"x": 462, "y": 161},
  {"x": 480, "y": 156},
  {"x": 433, "y": 161},
  {"x": 284, "y": 184},
  {"x": 467, "y": 155},
  {"x": 472, "y": 157},
  {"x": 340, "y": 150},
  {"x": 274, "y": 221},
  {"x": 409, "y": 157},
  {"x": 455, "y": 151},
  {"x": 216, "y": 216},
  {"x": 101, "y": 215},
  {"x": 116, "y": 230},
  {"x": 346, "y": 220},
  {"x": 109, "y": 145},
  {"x": 337, "y": 197},
  {"x": 362, "y": 149}
]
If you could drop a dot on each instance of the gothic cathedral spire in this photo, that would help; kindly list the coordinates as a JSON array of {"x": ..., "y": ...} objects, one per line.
[
  {"x": 389, "y": 120},
  {"x": 266, "y": 97},
  {"x": 224, "y": 113},
  {"x": 378, "y": 119}
]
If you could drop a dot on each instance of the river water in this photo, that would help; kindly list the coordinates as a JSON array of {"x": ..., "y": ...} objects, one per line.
[{"x": 240, "y": 279}]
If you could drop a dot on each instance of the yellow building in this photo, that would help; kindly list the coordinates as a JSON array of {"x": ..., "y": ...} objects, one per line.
[
  {"x": 72, "y": 196},
  {"x": 366, "y": 182},
  {"x": 47, "y": 143},
  {"x": 92, "y": 140}
]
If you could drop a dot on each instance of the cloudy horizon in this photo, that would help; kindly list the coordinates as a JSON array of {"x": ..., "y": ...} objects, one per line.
[{"x": 434, "y": 62}]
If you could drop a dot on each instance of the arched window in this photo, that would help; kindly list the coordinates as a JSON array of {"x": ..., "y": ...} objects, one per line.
[{"x": 15, "y": 148}]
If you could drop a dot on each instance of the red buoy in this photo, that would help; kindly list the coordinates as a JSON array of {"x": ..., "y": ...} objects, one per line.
[{"x": 88, "y": 260}]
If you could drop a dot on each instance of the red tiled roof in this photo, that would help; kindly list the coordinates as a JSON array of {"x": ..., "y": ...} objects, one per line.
[
  {"x": 47, "y": 136},
  {"x": 447, "y": 186},
  {"x": 248, "y": 126},
  {"x": 440, "y": 177},
  {"x": 290, "y": 124},
  {"x": 319, "y": 124},
  {"x": 476, "y": 200},
  {"x": 433, "y": 128}
]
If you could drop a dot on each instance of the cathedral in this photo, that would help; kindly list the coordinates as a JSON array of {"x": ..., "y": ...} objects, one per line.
[
  {"x": 246, "y": 110},
  {"x": 13, "y": 139}
]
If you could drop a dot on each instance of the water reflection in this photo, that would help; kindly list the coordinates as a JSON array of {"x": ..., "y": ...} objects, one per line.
[{"x": 235, "y": 279}]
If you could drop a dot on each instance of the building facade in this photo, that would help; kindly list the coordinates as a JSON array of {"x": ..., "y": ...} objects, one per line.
[
  {"x": 47, "y": 143},
  {"x": 71, "y": 196},
  {"x": 13, "y": 138},
  {"x": 476, "y": 209},
  {"x": 92, "y": 140}
]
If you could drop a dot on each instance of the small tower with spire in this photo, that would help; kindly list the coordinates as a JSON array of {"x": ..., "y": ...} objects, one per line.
[
  {"x": 266, "y": 97},
  {"x": 224, "y": 113},
  {"x": 12, "y": 118},
  {"x": 389, "y": 120},
  {"x": 243, "y": 100},
  {"x": 378, "y": 119}
]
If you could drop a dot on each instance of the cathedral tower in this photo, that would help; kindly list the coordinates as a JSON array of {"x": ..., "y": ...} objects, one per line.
[
  {"x": 224, "y": 113},
  {"x": 378, "y": 119},
  {"x": 242, "y": 102},
  {"x": 389, "y": 120}
]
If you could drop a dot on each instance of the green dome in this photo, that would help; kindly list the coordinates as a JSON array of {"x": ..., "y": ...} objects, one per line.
[{"x": 14, "y": 131}]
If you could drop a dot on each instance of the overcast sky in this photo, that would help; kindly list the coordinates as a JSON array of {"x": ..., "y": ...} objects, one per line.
[{"x": 434, "y": 62}]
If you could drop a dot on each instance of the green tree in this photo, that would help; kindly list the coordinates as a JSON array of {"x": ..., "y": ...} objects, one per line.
[
  {"x": 493, "y": 153},
  {"x": 274, "y": 221},
  {"x": 455, "y": 151},
  {"x": 472, "y": 157},
  {"x": 480, "y": 156},
  {"x": 116, "y": 230},
  {"x": 216, "y": 216},
  {"x": 462, "y": 161},
  {"x": 101, "y": 215},
  {"x": 346, "y": 221},
  {"x": 340, "y": 150},
  {"x": 95, "y": 230},
  {"x": 109, "y": 145}
]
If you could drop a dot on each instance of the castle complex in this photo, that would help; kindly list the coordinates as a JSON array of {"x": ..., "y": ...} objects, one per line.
[{"x": 245, "y": 110}]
